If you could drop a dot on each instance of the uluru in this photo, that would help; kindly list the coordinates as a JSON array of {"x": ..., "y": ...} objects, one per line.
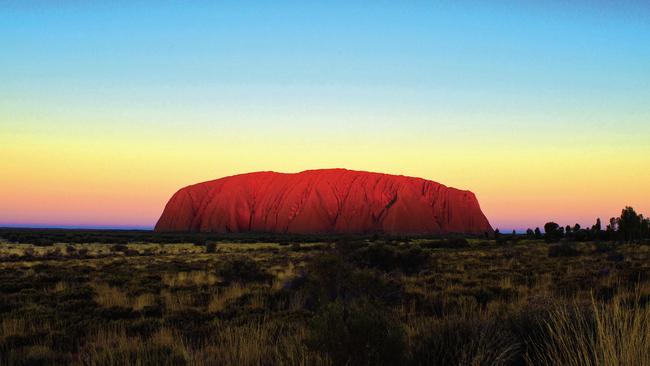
[{"x": 335, "y": 201}]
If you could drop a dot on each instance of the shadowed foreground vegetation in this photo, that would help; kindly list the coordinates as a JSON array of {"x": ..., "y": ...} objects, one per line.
[{"x": 349, "y": 302}]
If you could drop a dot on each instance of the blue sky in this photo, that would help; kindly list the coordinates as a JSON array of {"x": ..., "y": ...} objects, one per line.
[{"x": 516, "y": 87}]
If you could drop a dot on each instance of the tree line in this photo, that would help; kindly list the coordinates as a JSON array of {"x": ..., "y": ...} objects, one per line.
[{"x": 628, "y": 227}]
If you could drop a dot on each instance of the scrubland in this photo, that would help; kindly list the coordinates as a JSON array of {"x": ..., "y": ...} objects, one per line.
[{"x": 349, "y": 302}]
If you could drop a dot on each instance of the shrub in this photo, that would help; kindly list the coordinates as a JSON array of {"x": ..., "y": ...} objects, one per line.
[
  {"x": 359, "y": 333},
  {"x": 243, "y": 270},
  {"x": 44, "y": 242},
  {"x": 412, "y": 260},
  {"x": 131, "y": 252},
  {"x": 615, "y": 257},
  {"x": 602, "y": 247},
  {"x": 54, "y": 253},
  {"x": 198, "y": 241},
  {"x": 563, "y": 250},
  {"x": 388, "y": 258},
  {"x": 449, "y": 243},
  {"x": 211, "y": 247},
  {"x": 330, "y": 278},
  {"x": 119, "y": 248},
  {"x": 457, "y": 243},
  {"x": 28, "y": 254}
]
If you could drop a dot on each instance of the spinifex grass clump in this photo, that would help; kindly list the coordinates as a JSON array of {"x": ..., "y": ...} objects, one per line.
[{"x": 603, "y": 334}]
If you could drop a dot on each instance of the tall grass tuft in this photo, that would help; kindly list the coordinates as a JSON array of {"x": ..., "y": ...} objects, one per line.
[{"x": 612, "y": 334}]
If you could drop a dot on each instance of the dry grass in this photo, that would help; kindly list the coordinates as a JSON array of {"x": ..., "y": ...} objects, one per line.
[
  {"x": 176, "y": 301},
  {"x": 222, "y": 297},
  {"x": 613, "y": 334},
  {"x": 112, "y": 346},
  {"x": 108, "y": 296},
  {"x": 190, "y": 279},
  {"x": 475, "y": 306}
]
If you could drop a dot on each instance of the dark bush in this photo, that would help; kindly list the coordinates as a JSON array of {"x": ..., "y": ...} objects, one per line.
[
  {"x": 44, "y": 242},
  {"x": 380, "y": 256},
  {"x": 211, "y": 247},
  {"x": 450, "y": 243},
  {"x": 388, "y": 258},
  {"x": 563, "y": 250},
  {"x": 142, "y": 327},
  {"x": 119, "y": 248},
  {"x": 153, "y": 311},
  {"x": 243, "y": 270},
  {"x": 413, "y": 259},
  {"x": 322, "y": 279},
  {"x": 358, "y": 333},
  {"x": 602, "y": 247},
  {"x": 330, "y": 278},
  {"x": 54, "y": 253},
  {"x": 345, "y": 248},
  {"x": 199, "y": 241},
  {"x": 615, "y": 257},
  {"x": 131, "y": 253},
  {"x": 117, "y": 312}
]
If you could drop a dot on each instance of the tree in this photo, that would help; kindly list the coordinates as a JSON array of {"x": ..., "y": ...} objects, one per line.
[
  {"x": 567, "y": 229},
  {"x": 538, "y": 233},
  {"x": 551, "y": 227},
  {"x": 629, "y": 224},
  {"x": 613, "y": 225},
  {"x": 530, "y": 234},
  {"x": 645, "y": 228},
  {"x": 576, "y": 228},
  {"x": 598, "y": 226},
  {"x": 553, "y": 232},
  {"x": 596, "y": 231}
]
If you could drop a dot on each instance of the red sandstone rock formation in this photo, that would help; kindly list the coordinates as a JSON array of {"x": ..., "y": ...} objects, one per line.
[{"x": 323, "y": 201}]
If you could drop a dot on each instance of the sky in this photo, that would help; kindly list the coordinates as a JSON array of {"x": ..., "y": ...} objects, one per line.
[{"x": 542, "y": 109}]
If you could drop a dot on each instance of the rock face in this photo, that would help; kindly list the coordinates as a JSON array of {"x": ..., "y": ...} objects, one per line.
[{"x": 323, "y": 201}]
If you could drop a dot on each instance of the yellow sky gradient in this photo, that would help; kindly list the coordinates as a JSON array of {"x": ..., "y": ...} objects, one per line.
[{"x": 125, "y": 181}]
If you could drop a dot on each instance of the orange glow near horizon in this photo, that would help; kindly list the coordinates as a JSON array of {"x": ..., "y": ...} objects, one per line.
[{"x": 126, "y": 182}]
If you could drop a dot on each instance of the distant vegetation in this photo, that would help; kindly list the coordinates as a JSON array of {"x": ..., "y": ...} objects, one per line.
[
  {"x": 47, "y": 237},
  {"x": 629, "y": 227},
  {"x": 532, "y": 299}
]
